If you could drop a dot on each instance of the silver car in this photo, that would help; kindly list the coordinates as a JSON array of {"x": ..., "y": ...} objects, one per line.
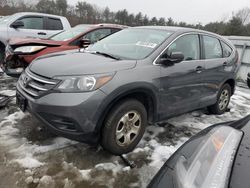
[{"x": 27, "y": 24}]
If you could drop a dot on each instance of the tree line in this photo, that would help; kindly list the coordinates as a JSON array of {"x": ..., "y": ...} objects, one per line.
[{"x": 83, "y": 12}]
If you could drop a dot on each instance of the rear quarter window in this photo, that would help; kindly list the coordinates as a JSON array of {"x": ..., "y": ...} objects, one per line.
[
  {"x": 54, "y": 24},
  {"x": 212, "y": 47},
  {"x": 227, "y": 50}
]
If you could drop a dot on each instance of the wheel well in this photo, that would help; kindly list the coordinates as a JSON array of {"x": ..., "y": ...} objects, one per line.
[
  {"x": 231, "y": 82},
  {"x": 143, "y": 97}
]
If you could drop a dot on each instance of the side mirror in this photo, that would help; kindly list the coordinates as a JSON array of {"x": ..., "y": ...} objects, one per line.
[
  {"x": 85, "y": 42},
  {"x": 175, "y": 57},
  {"x": 17, "y": 24}
]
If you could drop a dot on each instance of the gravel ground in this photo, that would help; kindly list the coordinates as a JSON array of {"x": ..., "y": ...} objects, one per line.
[{"x": 32, "y": 157}]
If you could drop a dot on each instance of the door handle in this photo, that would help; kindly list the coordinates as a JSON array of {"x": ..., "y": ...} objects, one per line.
[
  {"x": 199, "y": 69},
  {"x": 41, "y": 33}
]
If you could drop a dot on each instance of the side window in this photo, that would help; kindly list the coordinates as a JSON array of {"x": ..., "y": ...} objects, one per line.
[
  {"x": 98, "y": 34},
  {"x": 227, "y": 50},
  {"x": 115, "y": 30},
  {"x": 33, "y": 23},
  {"x": 212, "y": 48},
  {"x": 188, "y": 45},
  {"x": 54, "y": 24}
]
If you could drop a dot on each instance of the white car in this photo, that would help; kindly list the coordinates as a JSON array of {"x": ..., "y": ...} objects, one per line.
[{"x": 27, "y": 24}]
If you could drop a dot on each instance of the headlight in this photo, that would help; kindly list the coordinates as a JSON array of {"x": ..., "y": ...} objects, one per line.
[
  {"x": 28, "y": 49},
  {"x": 83, "y": 83},
  {"x": 210, "y": 164}
]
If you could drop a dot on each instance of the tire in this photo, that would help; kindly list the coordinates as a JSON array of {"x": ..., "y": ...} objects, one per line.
[
  {"x": 223, "y": 100},
  {"x": 118, "y": 133}
]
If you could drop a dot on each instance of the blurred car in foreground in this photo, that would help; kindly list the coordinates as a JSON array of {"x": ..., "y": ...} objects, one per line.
[
  {"x": 218, "y": 156},
  {"x": 21, "y": 52},
  {"x": 248, "y": 80},
  {"x": 29, "y": 24}
]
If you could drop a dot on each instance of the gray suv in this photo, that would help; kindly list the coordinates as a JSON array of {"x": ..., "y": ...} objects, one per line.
[
  {"x": 28, "y": 24},
  {"x": 109, "y": 92}
]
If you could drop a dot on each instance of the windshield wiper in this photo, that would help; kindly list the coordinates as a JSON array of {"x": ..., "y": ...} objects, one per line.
[{"x": 107, "y": 55}]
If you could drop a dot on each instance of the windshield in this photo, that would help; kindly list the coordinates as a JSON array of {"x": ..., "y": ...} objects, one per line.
[
  {"x": 133, "y": 43},
  {"x": 5, "y": 19},
  {"x": 71, "y": 33}
]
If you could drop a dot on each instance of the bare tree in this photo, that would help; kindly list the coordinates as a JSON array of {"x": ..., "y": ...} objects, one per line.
[{"x": 244, "y": 15}]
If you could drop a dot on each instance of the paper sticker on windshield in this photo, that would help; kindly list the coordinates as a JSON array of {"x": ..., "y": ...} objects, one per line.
[{"x": 146, "y": 44}]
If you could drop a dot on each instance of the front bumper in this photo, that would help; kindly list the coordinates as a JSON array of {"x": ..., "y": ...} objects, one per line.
[{"x": 71, "y": 115}]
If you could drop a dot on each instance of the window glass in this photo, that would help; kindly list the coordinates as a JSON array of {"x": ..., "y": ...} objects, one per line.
[
  {"x": 132, "y": 43},
  {"x": 212, "y": 48},
  {"x": 32, "y": 23},
  {"x": 54, "y": 24},
  {"x": 188, "y": 45},
  {"x": 227, "y": 51},
  {"x": 71, "y": 33},
  {"x": 96, "y": 35}
]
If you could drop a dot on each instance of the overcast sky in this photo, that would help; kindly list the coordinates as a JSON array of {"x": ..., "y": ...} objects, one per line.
[{"x": 191, "y": 11}]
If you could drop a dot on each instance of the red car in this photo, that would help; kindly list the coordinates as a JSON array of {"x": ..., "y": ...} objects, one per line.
[{"x": 20, "y": 52}]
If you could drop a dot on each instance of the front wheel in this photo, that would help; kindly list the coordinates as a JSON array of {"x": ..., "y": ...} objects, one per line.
[
  {"x": 124, "y": 127},
  {"x": 223, "y": 100}
]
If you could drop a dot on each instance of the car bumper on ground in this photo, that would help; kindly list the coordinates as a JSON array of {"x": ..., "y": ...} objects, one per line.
[{"x": 71, "y": 115}]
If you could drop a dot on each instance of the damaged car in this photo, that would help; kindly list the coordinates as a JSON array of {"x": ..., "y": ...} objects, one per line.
[
  {"x": 108, "y": 93},
  {"x": 218, "y": 156},
  {"x": 20, "y": 52}
]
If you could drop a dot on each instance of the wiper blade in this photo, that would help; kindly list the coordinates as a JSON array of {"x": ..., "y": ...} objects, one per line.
[{"x": 107, "y": 55}]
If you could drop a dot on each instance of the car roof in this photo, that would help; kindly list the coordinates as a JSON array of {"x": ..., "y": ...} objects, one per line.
[
  {"x": 38, "y": 14},
  {"x": 103, "y": 25},
  {"x": 177, "y": 29}
]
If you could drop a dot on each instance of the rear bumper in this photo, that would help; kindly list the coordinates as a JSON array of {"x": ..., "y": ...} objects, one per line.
[{"x": 71, "y": 115}]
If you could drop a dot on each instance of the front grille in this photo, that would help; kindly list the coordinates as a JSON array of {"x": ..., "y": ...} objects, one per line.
[{"x": 35, "y": 85}]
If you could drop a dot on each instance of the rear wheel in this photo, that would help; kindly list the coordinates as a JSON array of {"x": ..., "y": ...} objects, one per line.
[
  {"x": 124, "y": 127},
  {"x": 223, "y": 100}
]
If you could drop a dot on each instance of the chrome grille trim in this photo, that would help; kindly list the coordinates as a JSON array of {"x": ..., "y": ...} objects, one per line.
[
  {"x": 28, "y": 91},
  {"x": 38, "y": 79},
  {"x": 35, "y": 85}
]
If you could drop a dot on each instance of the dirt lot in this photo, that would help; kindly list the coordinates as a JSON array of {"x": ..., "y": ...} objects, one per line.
[{"x": 32, "y": 157}]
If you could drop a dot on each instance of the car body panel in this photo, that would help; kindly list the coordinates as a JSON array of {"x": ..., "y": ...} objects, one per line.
[{"x": 62, "y": 64}]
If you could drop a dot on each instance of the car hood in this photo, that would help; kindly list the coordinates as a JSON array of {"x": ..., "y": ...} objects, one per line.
[
  {"x": 74, "y": 62},
  {"x": 34, "y": 41}
]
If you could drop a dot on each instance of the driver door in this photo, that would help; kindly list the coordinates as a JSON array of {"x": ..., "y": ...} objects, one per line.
[
  {"x": 33, "y": 27},
  {"x": 182, "y": 83}
]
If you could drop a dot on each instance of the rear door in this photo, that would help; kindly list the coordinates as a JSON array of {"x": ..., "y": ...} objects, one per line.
[
  {"x": 182, "y": 83},
  {"x": 53, "y": 26},
  {"x": 215, "y": 66},
  {"x": 34, "y": 26}
]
